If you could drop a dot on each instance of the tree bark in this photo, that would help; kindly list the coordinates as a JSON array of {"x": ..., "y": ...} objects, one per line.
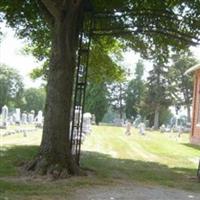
[
  {"x": 156, "y": 118},
  {"x": 120, "y": 102},
  {"x": 55, "y": 155}
]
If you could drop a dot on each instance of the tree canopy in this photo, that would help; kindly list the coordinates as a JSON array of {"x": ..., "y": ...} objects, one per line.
[
  {"x": 135, "y": 92},
  {"x": 147, "y": 27},
  {"x": 182, "y": 85},
  {"x": 52, "y": 30},
  {"x": 96, "y": 100}
]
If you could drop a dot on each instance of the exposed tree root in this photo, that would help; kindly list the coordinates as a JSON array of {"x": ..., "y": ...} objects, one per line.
[{"x": 41, "y": 167}]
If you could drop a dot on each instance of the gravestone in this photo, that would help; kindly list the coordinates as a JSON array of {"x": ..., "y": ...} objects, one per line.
[
  {"x": 31, "y": 117},
  {"x": 39, "y": 119},
  {"x": 162, "y": 128},
  {"x": 24, "y": 118},
  {"x": 5, "y": 116},
  {"x": 87, "y": 120},
  {"x": 11, "y": 120},
  {"x": 93, "y": 120},
  {"x": 17, "y": 116},
  {"x": 141, "y": 128},
  {"x": 128, "y": 128}
]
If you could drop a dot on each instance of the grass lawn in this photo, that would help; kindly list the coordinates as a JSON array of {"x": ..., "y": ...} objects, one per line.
[{"x": 153, "y": 159}]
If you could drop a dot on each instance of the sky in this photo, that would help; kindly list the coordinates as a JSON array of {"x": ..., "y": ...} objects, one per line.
[{"x": 11, "y": 55}]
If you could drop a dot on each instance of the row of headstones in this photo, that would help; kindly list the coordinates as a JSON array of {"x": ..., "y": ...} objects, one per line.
[
  {"x": 18, "y": 118},
  {"x": 30, "y": 118},
  {"x": 87, "y": 122}
]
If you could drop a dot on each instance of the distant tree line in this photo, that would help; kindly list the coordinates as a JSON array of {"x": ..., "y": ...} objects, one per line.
[
  {"x": 15, "y": 95},
  {"x": 165, "y": 86}
]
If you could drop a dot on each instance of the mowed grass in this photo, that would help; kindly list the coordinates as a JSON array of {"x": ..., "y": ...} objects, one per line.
[{"x": 153, "y": 159}]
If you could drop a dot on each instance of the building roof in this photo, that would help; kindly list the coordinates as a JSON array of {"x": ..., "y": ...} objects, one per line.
[{"x": 192, "y": 69}]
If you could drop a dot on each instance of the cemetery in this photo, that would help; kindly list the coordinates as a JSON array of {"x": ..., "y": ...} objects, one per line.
[
  {"x": 112, "y": 157},
  {"x": 17, "y": 123},
  {"x": 97, "y": 100}
]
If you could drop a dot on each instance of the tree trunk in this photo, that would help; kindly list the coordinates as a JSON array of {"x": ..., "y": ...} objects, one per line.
[
  {"x": 120, "y": 102},
  {"x": 55, "y": 156},
  {"x": 156, "y": 118}
]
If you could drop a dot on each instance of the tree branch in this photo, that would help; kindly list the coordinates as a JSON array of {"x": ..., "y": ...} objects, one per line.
[
  {"x": 46, "y": 14},
  {"x": 52, "y": 7},
  {"x": 173, "y": 33}
]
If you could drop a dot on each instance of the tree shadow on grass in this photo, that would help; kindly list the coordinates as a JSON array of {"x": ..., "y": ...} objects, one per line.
[
  {"x": 107, "y": 167},
  {"x": 146, "y": 172},
  {"x": 12, "y": 157},
  {"x": 194, "y": 146}
]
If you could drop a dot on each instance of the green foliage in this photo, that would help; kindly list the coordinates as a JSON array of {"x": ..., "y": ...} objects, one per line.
[
  {"x": 158, "y": 96},
  {"x": 155, "y": 26},
  {"x": 11, "y": 87},
  {"x": 135, "y": 92},
  {"x": 102, "y": 66},
  {"x": 158, "y": 93},
  {"x": 117, "y": 97},
  {"x": 182, "y": 85},
  {"x": 41, "y": 71},
  {"x": 25, "y": 18},
  {"x": 96, "y": 100},
  {"x": 34, "y": 99},
  {"x": 165, "y": 116},
  {"x": 110, "y": 116}
]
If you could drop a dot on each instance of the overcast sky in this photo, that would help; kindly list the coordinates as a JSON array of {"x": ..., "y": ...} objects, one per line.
[{"x": 11, "y": 55}]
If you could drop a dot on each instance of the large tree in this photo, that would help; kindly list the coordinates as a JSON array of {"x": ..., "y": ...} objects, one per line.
[
  {"x": 158, "y": 97},
  {"x": 117, "y": 97},
  {"x": 96, "y": 100},
  {"x": 135, "y": 92},
  {"x": 182, "y": 85},
  {"x": 55, "y": 24}
]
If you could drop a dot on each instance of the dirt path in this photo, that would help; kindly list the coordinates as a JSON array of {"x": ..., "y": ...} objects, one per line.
[{"x": 134, "y": 192}]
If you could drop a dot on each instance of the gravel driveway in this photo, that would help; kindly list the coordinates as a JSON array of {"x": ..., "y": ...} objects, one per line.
[{"x": 134, "y": 192}]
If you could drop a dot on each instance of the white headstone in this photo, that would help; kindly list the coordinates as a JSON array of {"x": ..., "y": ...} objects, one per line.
[
  {"x": 162, "y": 128},
  {"x": 31, "y": 117},
  {"x": 5, "y": 115},
  {"x": 39, "y": 119},
  {"x": 87, "y": 117},
  {"x": 24, "y": 118},
  {"x": 11, "y": 119},
  {"x": 18, "y": 116},
  {"x": 93, "y": 120},
  {"x": 142, "y": 128}
]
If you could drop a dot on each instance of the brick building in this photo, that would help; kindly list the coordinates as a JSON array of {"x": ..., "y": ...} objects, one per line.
[{"x": 195, "y": 133}]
